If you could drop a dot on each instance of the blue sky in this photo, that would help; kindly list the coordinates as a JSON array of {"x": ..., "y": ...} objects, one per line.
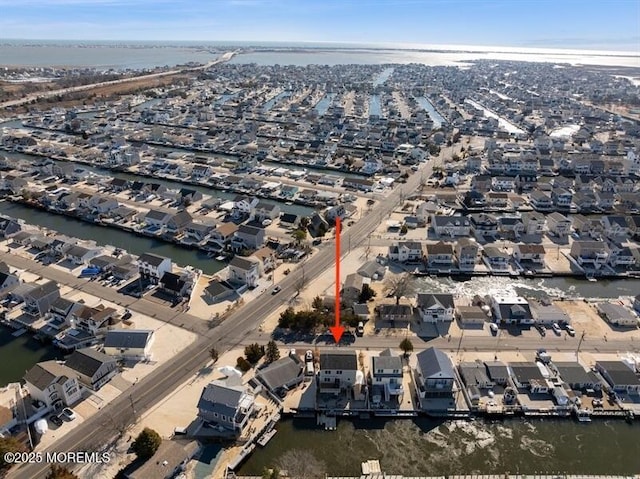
[{"x": 584, "y": 24}]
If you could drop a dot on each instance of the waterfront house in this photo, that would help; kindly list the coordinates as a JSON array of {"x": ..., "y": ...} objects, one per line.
[
  {"x": 23, "y": 238},
  {"x": 129, "y": 344},
  {"x": 558, "y": 225},
  {"x": 497, "y": 200},
  {"x": 450, "y": 226},
  {"x": 439, "y": 255},
  {"x": 481, "y": 183},
  {"x": 118, "y": 184},
  {"x": 38, "y": 301},
  {"x": 267, "y": 258},
  {"x": 351, "y": 288},
  {"x": 561, "y": 197},
  {"x": 53, "y": 384},
  {"x": 617, "y": 314},
  {"x": 94, "y": 369},
  {"x": 484, "y": 226},
  {"x": 245, "y": 271},
  {"x": 466, "y": 254},
  {"x": 619, "y": 376},
  {"x": 249, "y": 237},
  {"x": 386, "y": 374},
  {"x": 585, "y": 201},
  {"x": 495, "y": 259},
  {"x": 395, "y": 313},
  {"x": 178, "y": 222},
  {"x": 8, "y": 227},
  {"x": 360, "y": 184},
  {"x": 198, "y": 231},
  {"x": 406, "y": 251},
  {"x": 633, "y": 223},
  {"x": 92, "y": 319},
  {"x": 475, "y": 377},
  {"x": 615, "y": 226},
  {"x": 338, "y": 371},
  {"x": 605, "y": 199},
  {"x": 533, "y": 253},
  {"x": 498, "y": 372},
  {"x": 511, "y": 310},
  {"x": 243, "y": 206},
  {"x": 289, "y": 220},
  {"x": 470, "y": 315},
  {"x": 282, "y": 375},
  {"x": 527, "y": 375},
  {"x": 153, "y": 266},
  {"x": 534, "y": 223},
  {"x": 101, "y": 205},
  {"x": 200, "y": 172},
  {"x": 545, "y": 312},
  {"x": 222, "y": 235},
  {"x": 156, "y": 220},
  {"x": 226, "y": 404},
  {"x": 176, "y": 286},
  {"x": 435, "y": 307},
  {"x": 80, "y": 255},
  {"x": 59, "y": 315},
  {"x": 122, "y": 214},
  {"x": 621, "y": 256},
  {"x": 188, "y": 196},
  {"x": 503, "y": 183},
  {"x": 576, "y": 377},
  {"x": 434, "y": 375},
  {"x": 592, "y": 254},
  {"x": 217, "y": 291}
]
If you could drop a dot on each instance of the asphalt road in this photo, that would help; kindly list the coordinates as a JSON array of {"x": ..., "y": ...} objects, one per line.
[{"x": 97, "y": 431}]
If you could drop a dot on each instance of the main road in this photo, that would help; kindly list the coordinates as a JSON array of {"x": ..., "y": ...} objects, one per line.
[{"x": 97, "y": 431}]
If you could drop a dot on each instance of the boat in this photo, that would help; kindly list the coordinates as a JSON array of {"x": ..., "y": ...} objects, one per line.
[
  {"x": 220, "y": 258},
  {"x": 266, "y": 437},
  {"x": 19, "y": 332},
  {"x": 583, "y": 415}
]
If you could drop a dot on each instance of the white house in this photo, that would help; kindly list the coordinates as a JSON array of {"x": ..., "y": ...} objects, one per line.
[
  {"x": 129, "y": 344},
  {"x": 386, "y": 371},
  {"x": 558, "y": 225},
  {"x": 54, "y": 384},
  {"x": 153, "y": 266},
  {"x": 406, "y": 251},
  {"x": 454, "y": 225},
  {"x": 244, "y": 270},
  {"x": 436, "y": 307},
  {"x": 337, "y": 371}
]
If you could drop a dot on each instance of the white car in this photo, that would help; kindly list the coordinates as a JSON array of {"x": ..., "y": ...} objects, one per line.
[
  {"x": 493, "y": 327},
  {"x": 569, "y": 329},
  {"x": 69, "y": 414},
  {"x": 556, "y": 328}
]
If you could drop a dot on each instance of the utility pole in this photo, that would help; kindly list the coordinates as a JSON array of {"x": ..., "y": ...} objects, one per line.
[{"x": 580, "y": 344}]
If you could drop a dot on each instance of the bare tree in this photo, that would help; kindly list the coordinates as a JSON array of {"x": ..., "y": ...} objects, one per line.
[
  {"x": 301, "y": 282},
  {"x": 301, "y": 464},
  {"x": 399, "y": 286}
]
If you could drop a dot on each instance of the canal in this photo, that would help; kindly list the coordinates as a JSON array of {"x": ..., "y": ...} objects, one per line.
[
  {"x": 426, "y": 447},
  {"x": 18, "y": 354},
  {"x": 104, "y": 235}
]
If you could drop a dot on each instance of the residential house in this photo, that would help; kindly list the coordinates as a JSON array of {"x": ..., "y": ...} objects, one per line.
[
  {"x": 188, "y": 196},
  {"x": 533, "y": 253},
  {"x": 244, "y": 206},
  {"x": 80, "y": 255},
  {"x": 156, "y": 219},
  {"x": 153, "y": 266},
  {"x": 435, "y": 307},
  {"x": 605, "y": 199},
  {"x": 245, "y": 271},
  {"x": 439, "y": 255},
  {"x": 352, "y": 288},
  {"x": 496, "y": 200},
  {"x": 60, "y": 315},
  {"x": 511, "y": 227},
  {"x": 450, "y": 226},
  {"x": 495, "y": 258},
  {"x": 129, "y": 344},
  {"x": 592, "y": 254},
  {"x": 503, "y": 183},
  {"x": 395, "y": 312},
  {"x": 227, "y": 404},
  {"x": 38, "y": 301},
  {"x": 405, "y": 251},
  {"x": 575, "y": 376},
  {"x": 617, "y": 314},
  {"x": 282, "y": 375},
  {"x": 621, "y": 256},
  {"x": 558, "y": 225},
  {"x": 53, "y": 384},
  {"x": 534, "y": 223},
  {"x": 481, "y": 183},
  {"x": 511, "y": 309},
  {"x": 8, "y": 227},
  {"x": 470, "y": 315},
  {"x": 198, "y": 231},
  {"x": 484, "y": 226},
  {"x": 249, "y": 237},
  {"x": 615, "y": 226},
  {"x": 222, "y": 235},
  {"x": 386, "y": 374},
  {"x": 620, "y": 376},
  {"x": 92, "y": 319},
  {"x": 176, "y": 286},
  {"x": 267, "y": 258},
  {"x": 338, "y": 371},
  {"x": 217, "y": 291},
  {"x": 101, "y": 205},
  {"x": 95, "y": 369},
  {"x": 266, "y": 211},
  {"x": 289, "y": 220},
  {"x": 178, "y": 223},
  {"x": 633, "y": 223},
  {"x": 527, "y": 375},
  {"x": 8, "y": 281},
  {"x": 561, "y": 198},
  {"x": 545, "y": 312},
  {"x": 434, "y": 374},
  {"x": 360, "y": 184},
  {"x": 466, "y": 254}
]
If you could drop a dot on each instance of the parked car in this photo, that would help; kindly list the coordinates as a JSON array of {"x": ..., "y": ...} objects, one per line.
[
  {"x": 69, "y": 414},
  {"x": 556, "y": 328},
  {"x": 541, "y": 329},
  {"x": 569, "y": 329},
  {"x": 494, "y": 328},
  {"x": 308, "y": 356},
  {"x": 360, "y": 329},
  {"x": 55, "y": 419}
]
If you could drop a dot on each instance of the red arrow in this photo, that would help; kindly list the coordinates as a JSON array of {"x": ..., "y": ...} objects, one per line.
[{"x": 338, "y": 329}]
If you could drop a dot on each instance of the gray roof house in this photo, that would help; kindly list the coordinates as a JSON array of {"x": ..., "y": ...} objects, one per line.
[
  {"x": 283, "y": 374},
  {"x": 95, "y": 369},
  {"x": 226, "y": 404},
  {"x": 620, "y": 376},
  {"x": 434, "y": 375},
  {"x": 38, "y": 301},
  {"x": 131, "y": 344}
]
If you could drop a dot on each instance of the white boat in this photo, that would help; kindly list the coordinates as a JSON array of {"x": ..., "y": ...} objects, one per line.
[
  {"x": 266, "y": 437},
  {"x": 583, "y": 415}
]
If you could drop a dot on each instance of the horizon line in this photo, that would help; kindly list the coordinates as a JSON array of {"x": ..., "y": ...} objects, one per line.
[{"x": 373, "y": 45}]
